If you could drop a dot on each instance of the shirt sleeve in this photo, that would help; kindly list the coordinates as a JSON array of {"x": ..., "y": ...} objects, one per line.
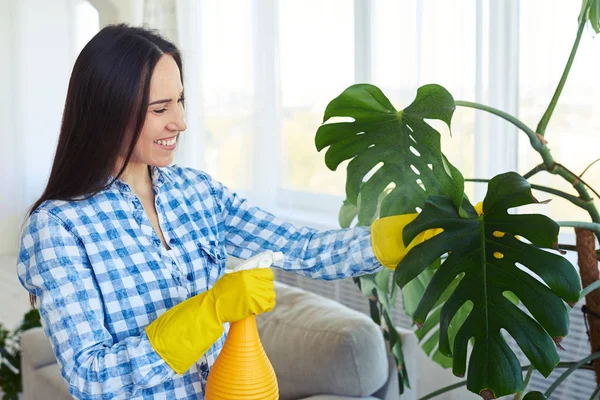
[
  {"x": 53, "y": 265},
  {"x": 328, "y": 255}
]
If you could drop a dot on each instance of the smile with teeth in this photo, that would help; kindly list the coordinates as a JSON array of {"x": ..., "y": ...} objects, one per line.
[{"x": 169, "y": 142}]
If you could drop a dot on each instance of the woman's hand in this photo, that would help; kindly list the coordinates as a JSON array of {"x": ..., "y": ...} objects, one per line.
[{"x": 241, "y": 294}]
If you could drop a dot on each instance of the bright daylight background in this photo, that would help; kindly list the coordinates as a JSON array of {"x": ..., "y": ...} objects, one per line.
[{"x": 260, "y": 73}]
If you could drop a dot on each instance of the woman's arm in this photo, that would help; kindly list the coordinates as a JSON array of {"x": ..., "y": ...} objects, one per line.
[
  {"x": 54, "y": 266},
  {"x": 326, "y": 255}
]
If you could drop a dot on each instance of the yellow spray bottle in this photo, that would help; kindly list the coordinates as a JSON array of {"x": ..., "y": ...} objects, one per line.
[{"x": 242, "y": 371}]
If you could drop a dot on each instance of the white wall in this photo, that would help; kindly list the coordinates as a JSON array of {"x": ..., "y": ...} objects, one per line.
[{"x": 37, "y": 58}]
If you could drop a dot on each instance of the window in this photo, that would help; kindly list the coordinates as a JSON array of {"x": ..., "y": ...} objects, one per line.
[
  {"x": 317, "y": 64},
  {"x": 505, "y": 54},
  {"x": 318, "y": 49},
  {"x": 228, "y": 91},
  {"x": 421, "y": 42},
  {"x": 572, "y": 133}
]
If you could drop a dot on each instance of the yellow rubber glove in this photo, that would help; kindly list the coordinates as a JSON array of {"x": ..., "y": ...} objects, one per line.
[
  {"x": 185, "y": 332},
  {"x": 386, "y": 238}
]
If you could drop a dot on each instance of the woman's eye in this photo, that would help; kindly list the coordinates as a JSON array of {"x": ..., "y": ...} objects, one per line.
[
  {"x": 181, "y": 99},
  {"x": 160, "y": 111}
]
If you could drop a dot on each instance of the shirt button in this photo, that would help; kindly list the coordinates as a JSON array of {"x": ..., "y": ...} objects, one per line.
[
  {"x": 189, "y": 277},
  {"x": 173, "y": 241}
]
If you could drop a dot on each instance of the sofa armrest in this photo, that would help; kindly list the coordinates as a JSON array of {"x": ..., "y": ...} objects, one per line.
[{"x": 36, "y": 349}]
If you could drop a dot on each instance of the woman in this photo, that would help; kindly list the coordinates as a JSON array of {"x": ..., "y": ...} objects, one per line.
[{"x": 126, "y": 254}]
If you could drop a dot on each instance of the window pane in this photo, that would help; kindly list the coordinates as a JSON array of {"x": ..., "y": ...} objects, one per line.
[
  {"x": 572, "y": 134},
  {"x": 422, "y": 42},
  {"x": 227, "y": 79},
  {"x": 317, "y": 64}
]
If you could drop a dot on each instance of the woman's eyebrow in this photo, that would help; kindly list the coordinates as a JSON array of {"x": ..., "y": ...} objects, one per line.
[
  {"x": 160, "y": 101},
  {"x": 163, "y": 100}
]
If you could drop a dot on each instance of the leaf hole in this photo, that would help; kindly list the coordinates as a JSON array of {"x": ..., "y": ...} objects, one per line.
[
  {"x": 372, "y": 172},
  {"x": 530, "y": 272},
  {"x": 513, "y": 298},
  {"x": 334, "y": 120},
  {"x": 430, "y": 166},
  {"x": 414, "y": 151},
  {"x": 410, "y": 136},
  {"x": 419, "y": 209},
  {"x": 415, "y": 170},
  {"x": 420, "y": 183}
]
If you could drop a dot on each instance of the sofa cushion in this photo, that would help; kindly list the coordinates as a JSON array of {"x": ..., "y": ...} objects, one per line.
[
  {"x": 38, "y": 350},
  {"x": 51, "y": 384},
  {"x": 342, "y": 350},
  {"x": 334, "y": 397}
]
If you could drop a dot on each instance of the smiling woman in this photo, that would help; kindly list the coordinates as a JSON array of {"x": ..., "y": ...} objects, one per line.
[{"x": 126, "y": 253}]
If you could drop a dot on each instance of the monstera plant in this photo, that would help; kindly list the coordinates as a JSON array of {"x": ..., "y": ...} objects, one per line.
[{"x": 462, "y": 287}]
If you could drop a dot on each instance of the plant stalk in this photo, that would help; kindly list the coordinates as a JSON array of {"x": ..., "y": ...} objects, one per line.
[
  {"x": 573, "y": 199},
  {"x": 541, "y": 128},
  {"x": 568, "y": 372},
  {"x": 519, "y": 395},
  {"x": 571, "y": 365},
  {"x": 585, "y": 201},
  {"x": 513, "y": 120},
  {"x": 596, "y": 394},
  {"x": 591, "y": 226}
]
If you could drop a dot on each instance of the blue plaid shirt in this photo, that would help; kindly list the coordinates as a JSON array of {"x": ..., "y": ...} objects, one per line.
[{"x": 102, "y": 274}]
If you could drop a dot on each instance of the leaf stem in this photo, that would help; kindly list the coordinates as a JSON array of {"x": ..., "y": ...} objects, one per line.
[
  {"x": 576, "y": 365},
  {"x": 589, "y": 288},
  {"x": 444, "y": 390},
  {"x": 574, "y": 248},
  {"x": 568, "y": 372},
  {"x": 519, "y": 395},
  {"x": 533, "y": 139},
  {"x": 535, "y": 170},
  {"x": 591, "y": 226},
  {"x": 588, "y": 167},
  {"x": 573, "y": 199},
  {"x": 541, "y": 128},
  {"x": 596, "y": 393}
]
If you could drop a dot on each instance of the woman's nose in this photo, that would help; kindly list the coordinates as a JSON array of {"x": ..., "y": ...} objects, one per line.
[{"x": 178, "y": 122}]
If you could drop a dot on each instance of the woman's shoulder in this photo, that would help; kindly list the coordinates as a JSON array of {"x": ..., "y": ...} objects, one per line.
[{"x": 78, "y": 210}]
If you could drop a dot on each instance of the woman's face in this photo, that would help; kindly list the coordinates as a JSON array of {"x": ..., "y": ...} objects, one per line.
[{"x": 164, "y": 116}]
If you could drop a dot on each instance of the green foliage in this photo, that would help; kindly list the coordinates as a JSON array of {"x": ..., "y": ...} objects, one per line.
[
  {"x": 428, "y": 332},
  {"x": 484, "y": 250},
  {"x": 407, "y": 148},
  {"x": 590, "y": 11},
  {"x": 10, "y": 355},
  {"x": 534, "y": 396}
]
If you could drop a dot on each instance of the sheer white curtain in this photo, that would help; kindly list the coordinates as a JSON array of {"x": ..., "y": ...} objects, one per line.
[
  {"x": 37, "y": 56},
  {"x": 162, "y": 15}
]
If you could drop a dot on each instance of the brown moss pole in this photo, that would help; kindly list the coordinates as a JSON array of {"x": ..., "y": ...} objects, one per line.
[{"x": 588, "y": 269}]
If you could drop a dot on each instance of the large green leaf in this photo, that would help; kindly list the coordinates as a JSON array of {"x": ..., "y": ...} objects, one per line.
[
  {"x": 428, "y": 333},
  {"x": 485, "y": 250},
  {"x": 392, "y": 147}
]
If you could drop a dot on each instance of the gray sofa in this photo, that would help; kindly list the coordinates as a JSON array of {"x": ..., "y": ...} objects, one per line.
[{"x": 320, "y": 350}]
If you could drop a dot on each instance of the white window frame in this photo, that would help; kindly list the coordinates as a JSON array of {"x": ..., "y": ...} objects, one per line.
[{"x": 495, "y": 147}]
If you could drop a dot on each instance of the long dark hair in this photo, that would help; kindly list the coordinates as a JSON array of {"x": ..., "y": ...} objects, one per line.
[{"x": 104, "y": 111}]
